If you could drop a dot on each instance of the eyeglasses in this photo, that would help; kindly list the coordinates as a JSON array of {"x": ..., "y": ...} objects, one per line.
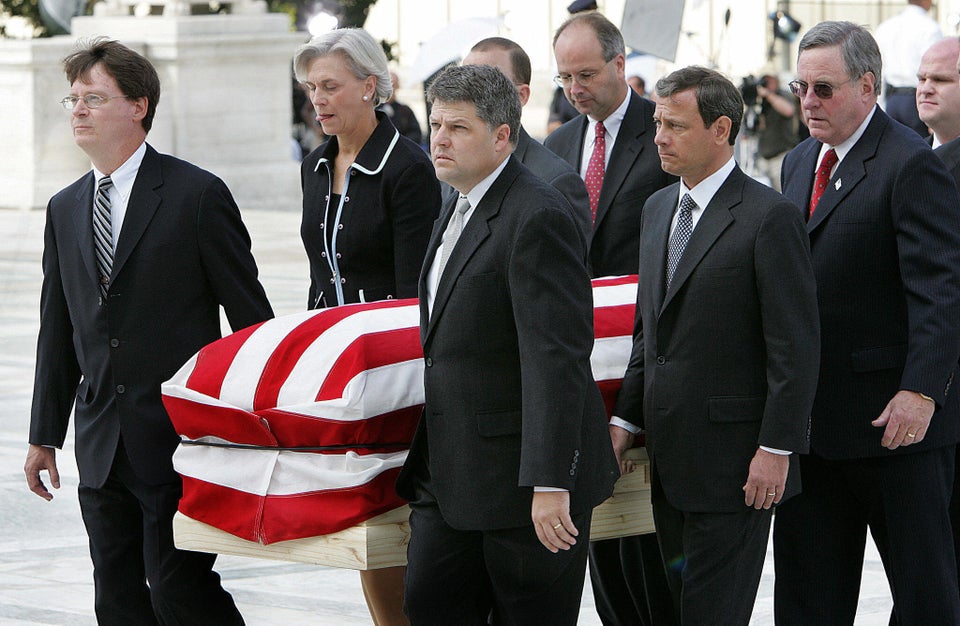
[
  {"x": 91, "y": 101},
  {"x": 823, "y": 91},
  {"x": 583, "y": 78}
]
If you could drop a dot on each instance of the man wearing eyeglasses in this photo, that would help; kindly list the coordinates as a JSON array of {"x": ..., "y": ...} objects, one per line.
[
  {"x": 139, "y": 256},
  {"x": 883, "y": 217},
  {"x": 611, "y": 144}
]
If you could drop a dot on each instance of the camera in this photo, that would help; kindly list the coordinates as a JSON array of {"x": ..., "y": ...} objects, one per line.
[{"x": 748, "y": 89}]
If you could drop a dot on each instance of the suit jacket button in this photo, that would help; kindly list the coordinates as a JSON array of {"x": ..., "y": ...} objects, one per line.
[
  {"x": 114, "y": 343},
  {"x": 573, "y": 472},
  {"x": 121, "y": 389},
  {"x": 661, "y": 360},
  {"x": 429, "y": 362}
]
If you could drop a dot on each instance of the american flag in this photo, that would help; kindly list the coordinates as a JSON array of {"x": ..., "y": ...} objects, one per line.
[{"x": 298, "y": 426}]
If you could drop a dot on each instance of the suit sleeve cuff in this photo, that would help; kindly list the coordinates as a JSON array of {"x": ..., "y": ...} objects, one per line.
[
  {"x": 547, "y": 489},
  {"x": 776, "y": 451},
  {"x": 624, "y": 424}
]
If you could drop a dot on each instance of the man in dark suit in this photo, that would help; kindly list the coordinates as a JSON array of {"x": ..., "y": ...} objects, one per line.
[
  {"x": 139, "y": 255},
  {"x": 724, "y": 364},
  {"x": 622, "y": 170},
  {"x": 938, "y": 91},
  {"x": 510, "y": 58},
  {"x": 590, "y": 61},
  {"x": 884, "y": 228},
  {"x": 512, "y": 452}
]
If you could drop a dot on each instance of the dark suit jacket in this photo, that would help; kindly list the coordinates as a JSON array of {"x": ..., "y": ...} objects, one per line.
[
  {"x": 885, "y": 243},
  {"x": 510, "y": 397},
  {"x": 726, "y": 359},
  {"x": 182, "y": 253},
  {"x": 392, "y": 199},
  {"x": 632, "y": 174},
  {"x": 560, "y": 174},
  {"x": 949, "y": 153}
]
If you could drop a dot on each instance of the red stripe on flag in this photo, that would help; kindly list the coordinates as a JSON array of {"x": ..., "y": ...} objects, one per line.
[
  {"x": 194, "y": 420},
  {"x": 286, "y": 355},
  {"x": 328, "y": 511},
  {"x": 612, "y": 281},
  {"x": 230, "y": 510},
  {"x": 214, "y": 360},
  {"x": 370, "y": 351},
  {"x": 294, "y": 430}
]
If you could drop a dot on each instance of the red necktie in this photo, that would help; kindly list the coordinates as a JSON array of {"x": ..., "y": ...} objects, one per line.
[
  {"x": 594, "y": 179},
  {"x": 823, "y": 177}
]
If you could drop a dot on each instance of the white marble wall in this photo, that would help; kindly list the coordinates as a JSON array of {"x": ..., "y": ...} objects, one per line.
[{"x": 224, "y": 104}]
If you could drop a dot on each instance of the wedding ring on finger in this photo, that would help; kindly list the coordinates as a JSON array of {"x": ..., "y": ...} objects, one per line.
[
  {"x": 911, "y": 435},
  {"x": 557, "y": 525}
]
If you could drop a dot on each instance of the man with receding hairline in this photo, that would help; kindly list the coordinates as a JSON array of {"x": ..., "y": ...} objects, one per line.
[
  {"x": 512, "y": 60},
  {"x": 611, "y": 145},
  {"x": 883, "y": 217}
]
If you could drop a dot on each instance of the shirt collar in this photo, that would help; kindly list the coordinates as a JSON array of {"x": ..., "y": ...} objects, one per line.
[
  {"x": 612, "y": 122},
  {"x": 703, "y": 193},
  {"x": 847, "y": 144},
  {"x": 480, "y": 189},
  {"x": 124, "y": 176}
]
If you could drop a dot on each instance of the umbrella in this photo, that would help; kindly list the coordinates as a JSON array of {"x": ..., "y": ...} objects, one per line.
[{"x": 450, "y": 43}]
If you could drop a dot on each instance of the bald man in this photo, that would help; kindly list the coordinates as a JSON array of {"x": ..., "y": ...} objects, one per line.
[{"x": 938, "y": 90}]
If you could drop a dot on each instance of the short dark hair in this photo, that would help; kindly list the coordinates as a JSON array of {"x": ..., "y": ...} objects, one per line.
[
  {"x": 135, "y": 75},
  {"x": 716, "y": 95},
  {"x": 609, "y": 36},
  {"x": 519, "y": 61},
  {"x": 490, "y": 91}
]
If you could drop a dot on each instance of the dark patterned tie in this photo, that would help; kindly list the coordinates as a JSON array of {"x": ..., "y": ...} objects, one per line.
[
  {"x": 103, "y": 233},
  {"x": 595, "y": 169},
  {"x": 452, "y": 233},
  {"x": 681, "y": 235},
  {"x": 823, "y": 177}
]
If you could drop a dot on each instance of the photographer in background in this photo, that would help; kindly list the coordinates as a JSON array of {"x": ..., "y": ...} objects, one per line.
[{"x": 776, "y": 127}]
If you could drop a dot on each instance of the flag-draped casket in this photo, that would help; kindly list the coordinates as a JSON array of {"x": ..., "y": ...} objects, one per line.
[{"x": 298, "y": 426}]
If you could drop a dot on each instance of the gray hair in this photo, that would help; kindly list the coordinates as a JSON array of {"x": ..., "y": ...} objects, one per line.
[
  {"x": 857, "y": 47},
  {"x": 609, "y": 36},
  {"x": 716, "y": 95},
  {"x": 490, "y": 91},
  {"x": 364, "y": 57}
]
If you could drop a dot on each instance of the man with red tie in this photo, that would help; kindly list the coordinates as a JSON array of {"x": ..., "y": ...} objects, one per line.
[
  {"x": 884, "y": 228},
  {"x": 611, "y": 144}
]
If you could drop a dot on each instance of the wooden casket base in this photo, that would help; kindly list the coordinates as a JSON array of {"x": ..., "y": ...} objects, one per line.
[{"x": 382, "y": 540}]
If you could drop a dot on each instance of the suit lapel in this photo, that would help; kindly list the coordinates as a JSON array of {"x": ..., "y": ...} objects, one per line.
[
  {"x": 655, "y": 234},
  {"x": 434, "y": 244},
  {"x": 715, "y": 219},
  {"x": 625, "y": 152},
  {"x": 850, "y": 171},
  {"x": 83, "y": 226},
  {"x": 474, "y": 233},
  {"x": 143, "y": 204}
]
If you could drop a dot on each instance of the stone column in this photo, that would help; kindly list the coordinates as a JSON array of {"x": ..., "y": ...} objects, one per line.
[{"x": 225, "y": 104}]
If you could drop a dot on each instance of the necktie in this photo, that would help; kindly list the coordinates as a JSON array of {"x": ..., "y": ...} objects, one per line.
[
  {"x": 681, "y": 235},
  {"x": 103, "y": 233},
  {"x": 595, "y": 168},
  {"x": 823, "y": 177},
  {"x": 452, "y": 233}
]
